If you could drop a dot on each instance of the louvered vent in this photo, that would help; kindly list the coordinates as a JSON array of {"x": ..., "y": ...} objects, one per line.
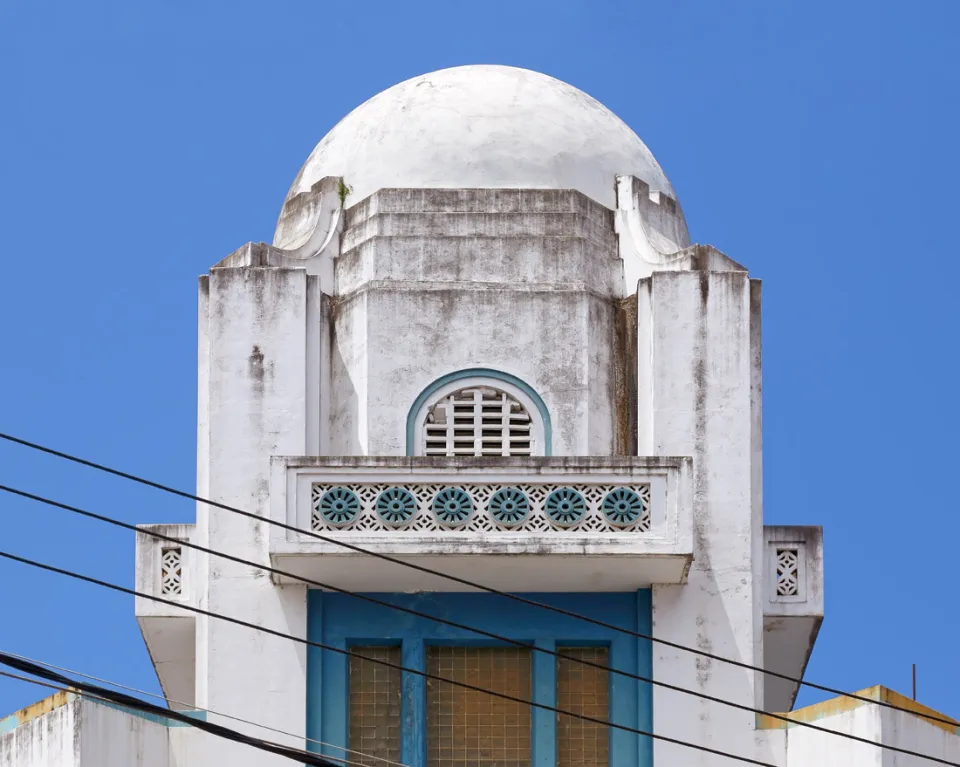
[{"x": 478, "y": 420}]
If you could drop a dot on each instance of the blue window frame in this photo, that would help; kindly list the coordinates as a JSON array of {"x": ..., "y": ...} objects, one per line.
[{"x": 343, "y": 622}]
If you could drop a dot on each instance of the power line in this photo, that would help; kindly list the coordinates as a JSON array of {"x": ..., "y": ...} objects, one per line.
[
  {"x": 80, "y": 693},
  {"x": 454, "y": 624},
  {"x": 348, "y": 653},
  {"x": 92, "y": 678},
  {"x": 33, "y": 681},
  {"x": 463, "y": 581},
  {"x": 382, "y": 602},
  {"x": 128, "y": 701}
]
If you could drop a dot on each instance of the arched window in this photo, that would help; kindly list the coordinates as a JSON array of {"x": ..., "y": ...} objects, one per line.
[{"x": 478, "y": 413}]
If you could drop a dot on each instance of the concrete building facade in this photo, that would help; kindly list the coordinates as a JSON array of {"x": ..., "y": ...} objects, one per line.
[{"x": 481, "y": 343}]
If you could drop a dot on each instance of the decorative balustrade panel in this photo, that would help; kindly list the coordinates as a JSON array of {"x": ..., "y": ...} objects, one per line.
[{"x": 520, "y": 508}]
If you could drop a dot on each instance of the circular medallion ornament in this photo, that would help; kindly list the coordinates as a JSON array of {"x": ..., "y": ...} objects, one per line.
[
  {"x": 396, "y": 506},
  {"x": 622, "y": 507},
  {"x": 565, "y": 507},
  {"x": 339, "y": 506},
  {"x": 509, "y": 506},
  {"x": 452, "y": 506}
]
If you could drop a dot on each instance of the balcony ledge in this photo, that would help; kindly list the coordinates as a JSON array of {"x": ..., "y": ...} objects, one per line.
[{"x": 597, "y": 552}]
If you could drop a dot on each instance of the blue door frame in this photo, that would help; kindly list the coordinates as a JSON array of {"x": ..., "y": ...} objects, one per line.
[{"x": 343, "y": 622}]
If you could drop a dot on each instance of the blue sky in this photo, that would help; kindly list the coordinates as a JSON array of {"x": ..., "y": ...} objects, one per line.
[{"x": 814, "y": 142}]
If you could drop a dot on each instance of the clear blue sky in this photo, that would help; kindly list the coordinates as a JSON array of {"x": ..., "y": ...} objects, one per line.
[{"x": 815, "y": 142}]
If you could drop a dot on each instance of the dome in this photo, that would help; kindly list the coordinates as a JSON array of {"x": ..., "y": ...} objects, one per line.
[{"x": 480, "y": 127}]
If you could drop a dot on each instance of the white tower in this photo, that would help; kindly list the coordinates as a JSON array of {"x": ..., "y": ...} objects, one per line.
[{"x": 482, "y": 343}]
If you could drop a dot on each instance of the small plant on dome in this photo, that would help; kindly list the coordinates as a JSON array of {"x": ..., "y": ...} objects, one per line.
[{"x": 342, "y": 191}]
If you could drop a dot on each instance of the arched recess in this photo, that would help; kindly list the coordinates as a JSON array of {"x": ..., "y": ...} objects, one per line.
[{"x": 478, "y": 378}]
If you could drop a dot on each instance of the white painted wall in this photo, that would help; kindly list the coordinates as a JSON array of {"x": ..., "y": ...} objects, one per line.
[
  {"x": 697, "y": 376},
  {"x": 809, "y": 748},
  {"x": 83, "y": 733},
  {"x": 50, "y": 740},
  {"x": 461, "y": 328},
  {"x": 113, "y": 738},
  {"x": 915, "y": 734},
  {"x": 256, "y": 405},
  {"x": 432, "y": 282}
]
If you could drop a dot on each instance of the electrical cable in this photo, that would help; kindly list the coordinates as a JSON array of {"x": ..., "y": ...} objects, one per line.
[
  {"x": 128, "y": 701},
  {"x": 348, "y": 653},
  {"x": 463, "y": 581},
  {"x": 33, "y": 681},
  {"x": 482, "y": 632},
  {"x": 89, "y": 696},
  {"x": 92, "y": 678}
]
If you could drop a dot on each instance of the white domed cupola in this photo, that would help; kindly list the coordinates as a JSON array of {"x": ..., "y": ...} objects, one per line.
[{"x": 476, "y": 127}]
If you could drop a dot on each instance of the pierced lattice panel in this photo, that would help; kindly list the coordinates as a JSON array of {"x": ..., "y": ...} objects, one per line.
[
  {"x": 521, "y": 508},
  {"x": 171, "y": 572},
  {"x": 788, "y": 572}
]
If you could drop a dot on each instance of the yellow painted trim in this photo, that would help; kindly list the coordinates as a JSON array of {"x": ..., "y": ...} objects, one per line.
[
  {"x": 41, "y": 707},
  {"x": 901, "y": 701},
  {"x": 843, "y": 704}
]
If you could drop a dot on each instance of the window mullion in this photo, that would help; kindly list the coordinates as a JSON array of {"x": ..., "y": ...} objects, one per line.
[
  {"x": 413, "y": 705},
  {"x": 451, "y": 424},
  {"x": 543, "y": 723},
  {"x": 505, "y": 435},
  {"x": 478, "y": 421}
]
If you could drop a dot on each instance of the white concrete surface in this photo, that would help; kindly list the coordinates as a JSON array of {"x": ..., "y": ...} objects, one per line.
[
  {"x": 516, "y": 281},
  {"x": 255, "y": 331},
  {"x": 169, "y": 631},
  {"x": 697, "y": 382},
  {"x": 83, "y": 733},
  {"x": 911, "y": 732},
  {"x": 791, "y": 623},
  {"x": 44, "y": 741},
  {"x": 908, "y": 730},
  {"x": 652, "y": 231},
  {"x": 806, "y": 747}
]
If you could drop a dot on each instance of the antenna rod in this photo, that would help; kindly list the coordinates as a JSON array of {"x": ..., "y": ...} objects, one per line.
[{"x": 914, "y": 681}]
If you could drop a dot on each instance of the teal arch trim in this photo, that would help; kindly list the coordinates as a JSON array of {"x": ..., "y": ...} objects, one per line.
[{"x": 495, "y": 375}]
